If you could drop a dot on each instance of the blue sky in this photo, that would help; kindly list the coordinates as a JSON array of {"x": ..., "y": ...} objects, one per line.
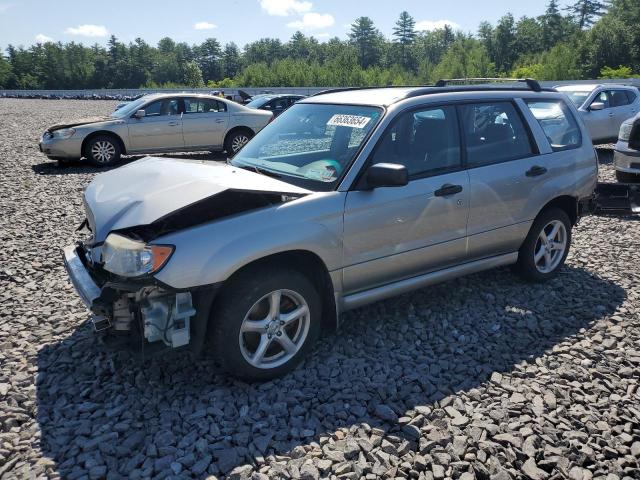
[{"x": 24, "y": 22}]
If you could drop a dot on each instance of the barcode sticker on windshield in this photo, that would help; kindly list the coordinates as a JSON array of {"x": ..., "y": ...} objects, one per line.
[{"x": 353, "y": 121}]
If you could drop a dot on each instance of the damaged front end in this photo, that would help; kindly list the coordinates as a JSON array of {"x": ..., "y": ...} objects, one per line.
[
  {"x": 138, "y": 310},
  {"x": 128, "y": 211}
]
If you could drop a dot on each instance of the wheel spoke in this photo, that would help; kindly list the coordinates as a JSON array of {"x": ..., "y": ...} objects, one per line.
[
  {"x": 274, "y": 304},
  {"x": 543, "y": 237},
  {"x": 294, "y": 315},
  {"x": 547, "y": 259},
  {"x": 258, "y": 355},
  {"x": 554, "y": 232},
  {"x": 255, "y": 326},
  {"x": 286, "y": 343},
  {"x": 539, "y": 254}
]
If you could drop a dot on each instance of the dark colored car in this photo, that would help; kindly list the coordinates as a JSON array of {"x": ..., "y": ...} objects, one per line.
[{"x": 274, "y": 103}]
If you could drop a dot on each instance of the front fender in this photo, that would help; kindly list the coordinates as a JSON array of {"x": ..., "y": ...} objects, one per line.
[{"x": 212, "y": 252}]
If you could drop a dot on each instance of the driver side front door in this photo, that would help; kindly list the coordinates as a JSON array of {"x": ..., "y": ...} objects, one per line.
[
  {"x": 392, "y": 233},
  {"x": 160, "y": 128}
]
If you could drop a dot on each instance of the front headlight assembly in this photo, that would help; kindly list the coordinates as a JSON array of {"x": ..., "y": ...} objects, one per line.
[
  {"x": 131, "y": 258},
  {"x": 625, "y": 132},
  {"x": 63, "y": 133}
]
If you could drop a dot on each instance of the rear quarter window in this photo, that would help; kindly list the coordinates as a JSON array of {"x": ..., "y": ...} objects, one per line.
[{"x": 557, "y": 122}]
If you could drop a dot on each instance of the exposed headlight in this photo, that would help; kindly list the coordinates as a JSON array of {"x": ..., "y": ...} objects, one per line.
[
  {"x": 625, "y": 131},
  {"x": 131, "y": 258},
  {"x": 63, "y": 133}
]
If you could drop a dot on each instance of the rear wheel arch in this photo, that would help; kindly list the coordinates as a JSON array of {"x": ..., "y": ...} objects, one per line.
[
  {"x": 240, "y": 129},
  {"x": 567, "y": 203}
]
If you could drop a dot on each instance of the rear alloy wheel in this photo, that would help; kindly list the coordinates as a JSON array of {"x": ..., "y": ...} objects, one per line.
[
  {"x": 103, "y": 151},
  {"x": 236, "y": 141},
  {"x": 546, "y": 247},
  {"x": 265, "y": 322}
]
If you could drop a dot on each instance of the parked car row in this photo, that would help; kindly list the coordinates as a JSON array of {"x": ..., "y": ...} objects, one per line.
[
  {"x": 153, "y": 124},
  {"x": 53, "y": 96},
  {"x": 349, "y": 197}
]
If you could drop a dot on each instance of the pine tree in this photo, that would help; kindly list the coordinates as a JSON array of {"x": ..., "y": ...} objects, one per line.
[
  {"x": 365, "y": 36},
  {"x": 405, "y": 34},
  {"x": 586, "y": 12}
]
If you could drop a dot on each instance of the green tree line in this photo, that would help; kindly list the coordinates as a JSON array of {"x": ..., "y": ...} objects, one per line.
[{"x": 588, "y": 39}]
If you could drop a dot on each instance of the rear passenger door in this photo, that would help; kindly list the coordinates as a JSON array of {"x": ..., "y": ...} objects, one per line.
[
  {"x": 204, "y": 122},
  {"x": 621, "y": 106},
  {"x": 504, "y": 172},
  {"x": 392, "y": 233}
]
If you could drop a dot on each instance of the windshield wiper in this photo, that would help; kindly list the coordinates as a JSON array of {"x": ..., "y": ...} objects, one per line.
[{"x": 262, "y": 171}]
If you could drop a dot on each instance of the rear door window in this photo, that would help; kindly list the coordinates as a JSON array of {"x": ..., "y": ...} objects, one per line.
[
  {"x": 557, "y": 122},
  {"x": 494, "y": 132},
  {"x": 619, "y": 98},
  {"x": 203, "y": 105}
]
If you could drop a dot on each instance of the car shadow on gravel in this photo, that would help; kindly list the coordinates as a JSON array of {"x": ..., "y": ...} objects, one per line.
[
  {"x": 75, "y": 167},
  {"x": 390, "y": 363}
]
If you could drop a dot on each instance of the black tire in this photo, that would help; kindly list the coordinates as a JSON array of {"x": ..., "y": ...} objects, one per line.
[
  {"x": 103, "y": 151},
  {"x": 526, "y": 266},
  {"x": 240, "y": 296},
  {"x": 236, "y": 141},
  {"x": 624, "y": 177}
]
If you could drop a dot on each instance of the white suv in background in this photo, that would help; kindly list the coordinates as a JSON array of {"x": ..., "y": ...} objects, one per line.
[{"x": 603, "y": 107}]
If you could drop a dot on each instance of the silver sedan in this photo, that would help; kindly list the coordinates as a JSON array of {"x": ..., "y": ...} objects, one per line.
[{"x": 154, "y": 124}]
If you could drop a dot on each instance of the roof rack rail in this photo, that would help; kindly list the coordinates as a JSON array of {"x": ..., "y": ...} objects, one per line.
[
  {"x": 342, "y": 89},
  {"x": 531, "y": 83}
]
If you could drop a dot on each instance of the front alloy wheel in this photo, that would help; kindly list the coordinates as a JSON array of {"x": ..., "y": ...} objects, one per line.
[
  {"x": 274, "y": 329},
  {"x": 264, "y": 322},
  {"x": 103, "y": 151}
]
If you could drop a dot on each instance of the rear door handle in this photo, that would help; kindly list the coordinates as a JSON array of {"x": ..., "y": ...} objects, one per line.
[
  {"x": 536, "y": 171},
  {"x": 447, "y": 189},
  {"x": 173, "y": 124},
  {"x": 219, "y": 120}
]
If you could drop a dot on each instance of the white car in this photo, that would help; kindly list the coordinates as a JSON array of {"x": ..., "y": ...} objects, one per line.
[
  {"x": 165, "y": 122},
  {"x": 603, "y": 107}
]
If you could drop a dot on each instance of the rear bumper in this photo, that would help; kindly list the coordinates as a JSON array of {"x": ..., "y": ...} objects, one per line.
[{"x": 86, "y": 288}]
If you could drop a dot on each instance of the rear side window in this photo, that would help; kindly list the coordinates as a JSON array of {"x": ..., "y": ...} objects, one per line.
[
  {"x": 557, "y": 122},
  {"x": 203, "y": 105},
  {"x": 494, "y": 132},
  {"x": 619, "y": 98},
  {"x": 631, "y": 96}
]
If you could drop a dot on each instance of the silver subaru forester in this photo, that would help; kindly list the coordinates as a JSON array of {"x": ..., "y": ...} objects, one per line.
[{"x": 349, "y": 197}]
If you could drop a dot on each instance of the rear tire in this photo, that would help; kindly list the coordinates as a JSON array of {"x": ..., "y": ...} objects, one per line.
[
  {"x": 251, "y": 335},
  {"x": 546, "y": 247},
  {"x": 236, "y": 141},
  {"x": 103, "y": 151},
  {"x": 624, "y": 177}
]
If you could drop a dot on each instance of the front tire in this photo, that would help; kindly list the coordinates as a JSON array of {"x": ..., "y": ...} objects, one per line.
[
  {"x": 103, "y": 151},
  {"x": 625, "y": 177},
  {"x": 546, "y": 247},
  {"x": 265, "y": 322},
  {"x": 236, "y": 141}
]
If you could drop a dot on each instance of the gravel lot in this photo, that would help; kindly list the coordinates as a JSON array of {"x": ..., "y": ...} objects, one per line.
[{"x": 482, "y": 377}]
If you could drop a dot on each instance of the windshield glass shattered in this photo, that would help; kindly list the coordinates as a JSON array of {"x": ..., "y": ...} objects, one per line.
[{"x": 311, "y": 142}]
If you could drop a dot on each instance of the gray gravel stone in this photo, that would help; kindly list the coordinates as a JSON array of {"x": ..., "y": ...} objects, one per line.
[{"x": 481, "y": 376}]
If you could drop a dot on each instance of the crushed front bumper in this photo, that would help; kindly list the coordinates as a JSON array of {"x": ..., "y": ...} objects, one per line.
[{"x": 87, "y": 289}]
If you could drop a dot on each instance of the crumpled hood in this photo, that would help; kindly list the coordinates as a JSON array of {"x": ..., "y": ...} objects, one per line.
[
  {"x": 82, "y": 121},
  {"x": 146, "y": 190}
]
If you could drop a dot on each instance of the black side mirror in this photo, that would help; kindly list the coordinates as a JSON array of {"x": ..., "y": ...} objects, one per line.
[{"x": 387, "y": 175}]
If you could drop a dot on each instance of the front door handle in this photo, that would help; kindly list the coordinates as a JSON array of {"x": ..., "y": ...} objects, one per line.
[
  {"x": 219, "y": 120},
  {"x": 447, "y": 189},
  {"x": 173, "y": 124},
  {"x": 536, "y": 171}
]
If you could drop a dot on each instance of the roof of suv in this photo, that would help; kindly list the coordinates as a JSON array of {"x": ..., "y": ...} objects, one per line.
[
  {"x": 588, "y": 87},
  {"x": 385, "y": 96}
]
